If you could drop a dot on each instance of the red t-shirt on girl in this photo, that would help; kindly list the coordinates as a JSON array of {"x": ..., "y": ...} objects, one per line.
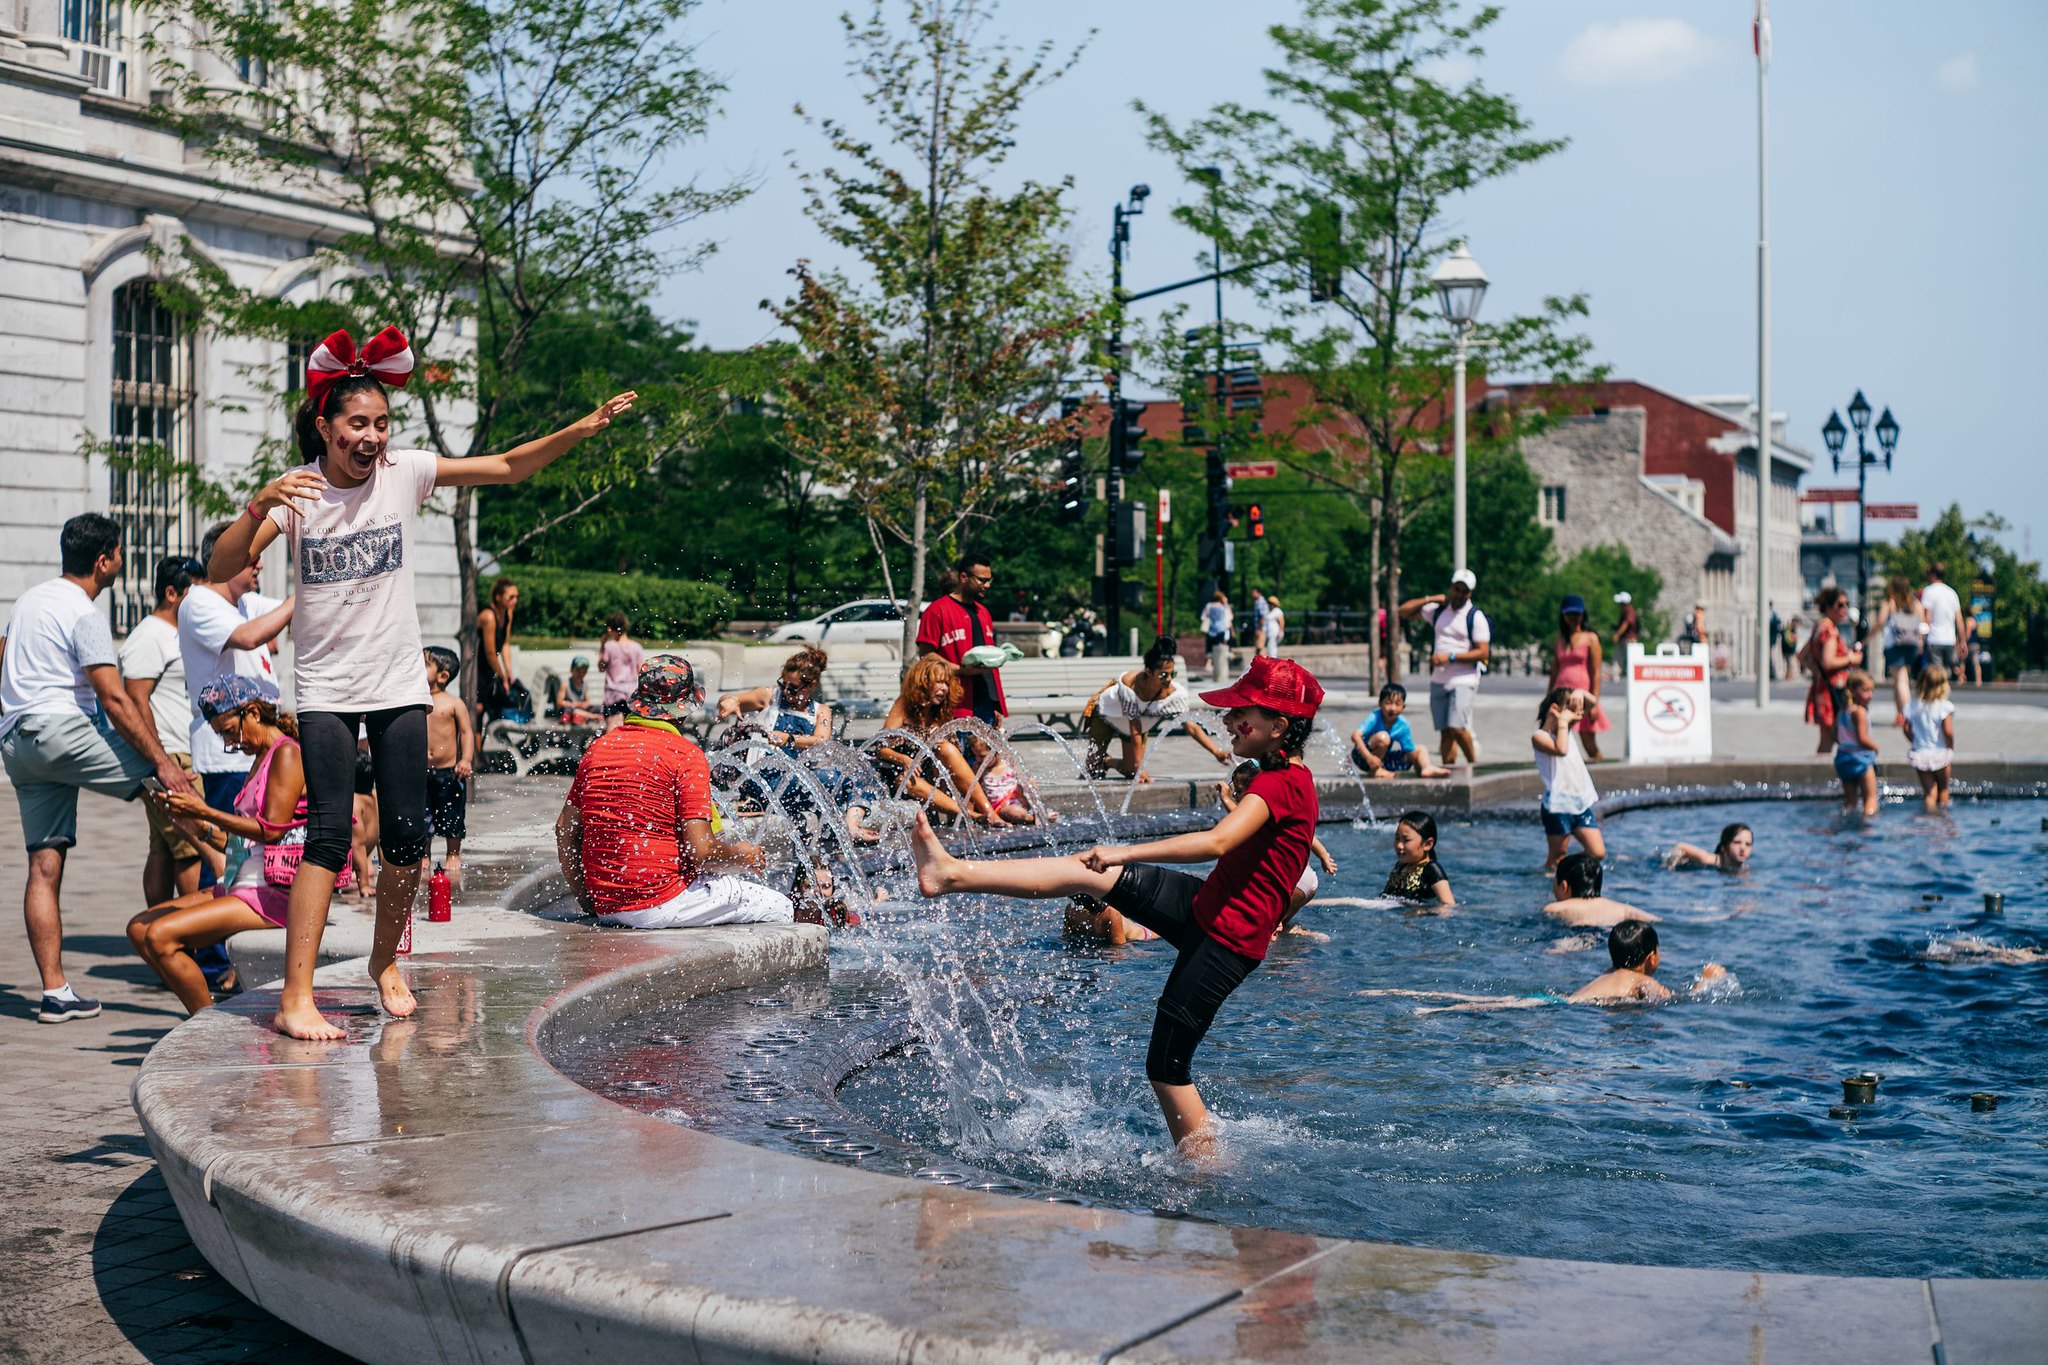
[{"x": 1244, "y": 898}]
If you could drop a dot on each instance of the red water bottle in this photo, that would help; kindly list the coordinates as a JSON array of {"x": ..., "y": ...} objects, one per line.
[{"x": 440, "y": 897}]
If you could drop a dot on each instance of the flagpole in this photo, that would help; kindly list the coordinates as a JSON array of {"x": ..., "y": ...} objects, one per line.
[{"x": 1763, "y": 352}]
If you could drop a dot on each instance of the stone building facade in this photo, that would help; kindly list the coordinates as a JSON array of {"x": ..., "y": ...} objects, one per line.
[
  {"x": 94, "y": 200},
  {"x": 1594, "y": 492},
  {"x": 1696, "y": 456}
]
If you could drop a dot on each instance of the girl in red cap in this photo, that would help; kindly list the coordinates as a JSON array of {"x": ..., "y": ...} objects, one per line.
[{"x": 1221, "y": 925}]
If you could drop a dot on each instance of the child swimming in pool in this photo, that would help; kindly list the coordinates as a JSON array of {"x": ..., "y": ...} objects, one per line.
[
  {"x": 1730, "y": 854},
  {"x": 1091, "y": 918},
  {"x": 1230, "y": 793},
  {"x": 1220, "y": 925},
  {"x": 1855, "y": 750},
  {"x": 1631, "y": 948},
  {"x": 1417, "y": 876},
  {"x": 1579, "y": 902}
]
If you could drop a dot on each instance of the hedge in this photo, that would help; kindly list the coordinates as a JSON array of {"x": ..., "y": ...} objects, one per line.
[{"x": 572, "y": 603}]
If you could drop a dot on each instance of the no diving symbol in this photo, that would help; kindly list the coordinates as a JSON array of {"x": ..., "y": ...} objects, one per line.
[{"x": 1669, "y": 709}]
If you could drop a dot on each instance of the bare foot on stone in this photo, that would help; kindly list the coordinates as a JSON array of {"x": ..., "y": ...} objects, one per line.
[
  {"x": 392, "y": 993},
  {"x": 304, "y": 1021}
]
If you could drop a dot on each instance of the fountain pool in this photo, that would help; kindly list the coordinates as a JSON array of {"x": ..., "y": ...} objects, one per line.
[{"x": 1695, "y": 1134}]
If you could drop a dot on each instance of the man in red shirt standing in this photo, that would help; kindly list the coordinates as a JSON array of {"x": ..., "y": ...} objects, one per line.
[
  {"x": 635, "y": 836},
  {"x": 958, "y": 622}
]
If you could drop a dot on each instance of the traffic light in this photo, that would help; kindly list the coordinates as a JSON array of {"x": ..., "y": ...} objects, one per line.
[
  {"x": 1257, "y": 521},
  {"x": 1073, "y": 470},
  {"x": 1130, "y": 431}
]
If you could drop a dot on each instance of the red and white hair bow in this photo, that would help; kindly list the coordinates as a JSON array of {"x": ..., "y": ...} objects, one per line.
[{"x": 387, "y": 355}]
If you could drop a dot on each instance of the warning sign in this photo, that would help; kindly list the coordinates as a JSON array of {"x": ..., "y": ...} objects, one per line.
[{"x": 1670, "y": 713}]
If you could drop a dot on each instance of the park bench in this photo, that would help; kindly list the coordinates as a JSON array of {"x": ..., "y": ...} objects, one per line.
[
  {"x": 528, "y": 744},
  {"x": 1052, "y": 690}
]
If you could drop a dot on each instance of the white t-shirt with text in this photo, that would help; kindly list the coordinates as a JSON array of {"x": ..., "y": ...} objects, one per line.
[
  {"x": 357, "y": 624},
  {"x": 205, "y": 621},
  {"x": 1457, "y": 630},
  {"x": 1944, "y": 610},
  {"x": 53, "y": 637},
  {"x": 151, "y": 651}
]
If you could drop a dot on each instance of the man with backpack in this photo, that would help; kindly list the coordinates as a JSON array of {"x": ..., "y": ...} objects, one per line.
[{"x": 1463, "y": 642}]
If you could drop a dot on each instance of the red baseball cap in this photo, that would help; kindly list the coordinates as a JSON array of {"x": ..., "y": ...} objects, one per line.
[{"x": 1277, "y": 684}]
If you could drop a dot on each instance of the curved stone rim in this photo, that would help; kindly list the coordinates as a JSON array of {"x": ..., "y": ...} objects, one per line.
[{"x": 524, "y": 1217}]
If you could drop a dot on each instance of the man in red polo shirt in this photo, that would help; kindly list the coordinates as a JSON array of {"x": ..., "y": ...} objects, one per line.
[
  {"x": 958, "y": 622},
  {"x": 635, "y": 836}
]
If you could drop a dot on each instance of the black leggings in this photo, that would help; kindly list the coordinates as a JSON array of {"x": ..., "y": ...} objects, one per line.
[
  {"x": 1202, "y": 978},
  {"x": 398, "y": 756}
]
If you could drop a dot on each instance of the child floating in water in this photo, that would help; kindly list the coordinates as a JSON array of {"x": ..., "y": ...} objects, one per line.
[
  {"x": 1383, "y": 746},
  {"x": 1416, "y": 875},
  {"x": 1568, "y": 794},
  {"x": 1730, "y": 855},
  {"x": 1220, "y": 925},
  {"x": 1091, "y": 918},
  {"x": 1232, "y": 792},
  {"x": 1930, "y": 722},
  {"x": 1631, "y": 948},
  {"x": 1855, "y": 750},
  {"x": 1579, "y": 902}
]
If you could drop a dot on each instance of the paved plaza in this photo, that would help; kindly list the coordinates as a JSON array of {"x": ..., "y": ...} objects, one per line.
[{"x": 97, "y": 1267}]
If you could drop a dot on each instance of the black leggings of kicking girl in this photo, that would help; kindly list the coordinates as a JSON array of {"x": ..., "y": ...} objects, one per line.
[
  {"x": 398, "y": 756},
  {"x": 1202, "y": 978}
]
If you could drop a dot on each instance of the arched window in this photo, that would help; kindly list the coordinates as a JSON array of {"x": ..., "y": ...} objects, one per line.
[{"x": 152, "y": 432}]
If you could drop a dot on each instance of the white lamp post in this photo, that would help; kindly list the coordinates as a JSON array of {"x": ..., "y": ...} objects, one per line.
[{"x": 1460, "y": 285}]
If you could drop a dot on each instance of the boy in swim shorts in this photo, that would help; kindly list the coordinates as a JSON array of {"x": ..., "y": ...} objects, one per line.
[{"x": 1383, "y": 746}]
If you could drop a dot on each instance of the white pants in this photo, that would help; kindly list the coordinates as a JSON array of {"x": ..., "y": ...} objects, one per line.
[{"x": 712, "y": 900}]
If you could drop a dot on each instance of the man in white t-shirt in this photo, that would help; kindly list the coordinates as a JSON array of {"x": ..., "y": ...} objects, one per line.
[
  {"x": 1944, "y": 618},
  {"x": 67, "y": 725},
  {"x": 1462, "y": 645},
  {"x": 153, "y": 673}
]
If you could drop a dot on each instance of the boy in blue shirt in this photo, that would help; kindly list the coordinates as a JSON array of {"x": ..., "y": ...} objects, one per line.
[{"x": 1385, "y": 746}]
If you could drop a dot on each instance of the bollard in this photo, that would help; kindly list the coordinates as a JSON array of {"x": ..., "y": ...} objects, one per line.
[
  {"x": 1859, "y": 1089},
  {"x": 1994, "y": 902},
  {"x": 1841, "y": 1111},
  {"x": 1983, "y": 1102}
]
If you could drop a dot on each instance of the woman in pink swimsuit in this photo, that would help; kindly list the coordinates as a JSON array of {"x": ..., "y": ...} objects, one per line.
[
  {"x": 1577, "y": 665},
  {"x": 270, "y": 811}
]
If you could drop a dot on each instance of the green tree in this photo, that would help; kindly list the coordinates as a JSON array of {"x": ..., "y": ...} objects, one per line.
[
  {"x": 495, "y": 163},
  {"x": 1337, "y": 191},
  {"x": 1966, "y": 548},
  {"x": 927, "y": 387}
]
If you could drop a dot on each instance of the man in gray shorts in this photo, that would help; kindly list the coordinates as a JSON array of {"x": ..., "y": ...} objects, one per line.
[
  {"x": 1463, "y": 642},
  {"x": 67, "y": 724}
]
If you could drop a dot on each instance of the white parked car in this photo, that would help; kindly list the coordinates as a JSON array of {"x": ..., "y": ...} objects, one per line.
[{"x": 872, "y": 620}]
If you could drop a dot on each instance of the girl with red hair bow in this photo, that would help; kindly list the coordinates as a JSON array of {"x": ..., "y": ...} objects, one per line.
[{"x": 350, "y": 516}]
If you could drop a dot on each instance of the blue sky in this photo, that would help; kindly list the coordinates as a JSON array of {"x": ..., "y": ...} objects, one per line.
[{"x": 1907, "y": 193}]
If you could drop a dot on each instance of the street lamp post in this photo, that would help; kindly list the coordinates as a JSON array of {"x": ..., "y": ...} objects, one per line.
[
  {"x": 1113, "y": 486},
  {"x": 1837, "y": 436},
  {"x": 1460, "y": 285}
]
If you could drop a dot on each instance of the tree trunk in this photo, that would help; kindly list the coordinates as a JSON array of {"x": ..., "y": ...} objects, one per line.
[
  {"x": 920, "y": 501},
  {"x": 1390, "y": 519},
  {"x": 1379, "y": 669},
  {"x": 466, "y": 642}
]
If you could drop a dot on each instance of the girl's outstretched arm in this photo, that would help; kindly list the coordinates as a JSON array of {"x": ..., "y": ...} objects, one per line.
[
  {"x": 1199, "y": 847},
  {"x": 523, "y": 462}
]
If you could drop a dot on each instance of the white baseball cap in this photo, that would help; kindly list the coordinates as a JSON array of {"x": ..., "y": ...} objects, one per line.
[
  {"x": 1623, "y": 597},
  {"x": 1468, "y": 578}
]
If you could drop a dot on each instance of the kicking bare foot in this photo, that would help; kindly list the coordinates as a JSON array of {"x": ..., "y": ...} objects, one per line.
[
  {"x": 303, "y": 1021},
  {"x": 934, "y": 864},
  {"x": 392, "y": 993}
]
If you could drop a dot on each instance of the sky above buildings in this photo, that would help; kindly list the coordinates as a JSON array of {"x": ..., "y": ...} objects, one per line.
[{"x": 1907, "y": 194}]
